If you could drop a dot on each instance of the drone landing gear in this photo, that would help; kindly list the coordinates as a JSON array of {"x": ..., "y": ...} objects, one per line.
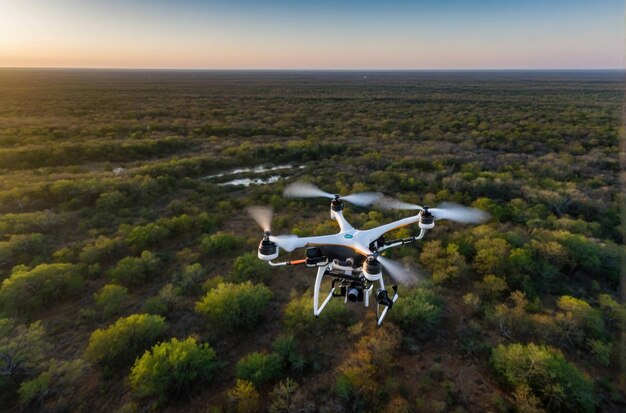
[
  {"x": 316, "y": 293},
  {"x": 352, "y": 289},
  {"x": 384, "y": 300}
]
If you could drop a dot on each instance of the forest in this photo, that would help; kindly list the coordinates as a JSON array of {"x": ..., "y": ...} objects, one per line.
[{"x": 129, "y": 278}]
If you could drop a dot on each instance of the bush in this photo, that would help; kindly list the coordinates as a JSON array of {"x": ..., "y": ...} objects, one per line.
[
  {"x": 28, "y": 290},
  {"x": 544, "y": 370},
  {"x": 110, "y": 299},
  {"x": 491, "y": 287},
  {"x": 362, "y": 373},
  {"x": 220, "y": 244},
  {"x": 259, "y": 368},
  {"x": 245, "y": 397},
  {"x": 155, "y": 305},
  {"x": 132, "y": 271},
  {"x": 189, "y": 278},
  {"x": 119, "y": 344},
  {"x": 492, "y": 256},
  {"x": 248, "y": 267},
  {"x": 601, "y": 351},
  {"x": 24, "y": 349},
  {"x": 231, "y": 306},
  {"x": 171, "y": 367},
  {"x": 145, "y": 236},
  {"x": 164, "y": 302},
  {"x": 285, "y": 397},
  {"x": 298, "y": 315},
  {"x": 578, "y": 320},
  {"x": 286, "y": 346},
  {"x": 21, "y": 248},
  {"x": 101, "y": 250},
  {"x": 445, "y": 263},
  {"x": 612, "y": 311},
  {"x": 61, "y": 379},
  {"x": 417, "y": 312}
]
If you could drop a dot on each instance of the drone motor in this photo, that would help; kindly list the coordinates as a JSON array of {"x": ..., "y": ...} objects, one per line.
[
  {"x": 427, "y": 220},
  {"x": 268, "y": 250},
  {"x": 371, "y": 269}
]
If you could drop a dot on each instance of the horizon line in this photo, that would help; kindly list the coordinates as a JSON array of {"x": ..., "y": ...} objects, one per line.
[{"x": 322, "y": 69}]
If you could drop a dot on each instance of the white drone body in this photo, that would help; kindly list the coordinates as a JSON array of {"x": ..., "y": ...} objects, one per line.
[{"x": 351, "y": 256}]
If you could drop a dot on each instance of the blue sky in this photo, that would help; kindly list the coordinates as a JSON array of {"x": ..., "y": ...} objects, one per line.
[{"x": 275, "y": 34}]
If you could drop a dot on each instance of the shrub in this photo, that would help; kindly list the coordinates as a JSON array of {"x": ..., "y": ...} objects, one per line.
[
  {"x": 445, "y": 263},
  {"x": 601, "y": 351},
  {"x": 220, "y": 244},
  {"x": 61, "y": 379},
  {"x": 233, "y": 306},
  {"x": 286, "y": 346},
  {"x": 155, "y": 305},
  {"x": 612, "y": 310},
  {"x": 285, "y": 397},
  {"x": 21, "y": 248},
  {"x": 102, "y": 249},
  {"x": 24, "y": 348},
  {"x": 366, "y": 368},
  {"x": 189, "y": 278},
  {"x": 578, "y": 320},
  {"x": 111, "y": 201},
  {"x": 28, "y": 222},
  {"x": 492, "y": 256},
  {"x": 491, "y": 287},
  {"x": 544, "y": 370},
  {"x": 164, "y": 302},
  {"x": 110, "y": 299},
  {"x": 248, "y": 267},
  {"x": 417, "y": 312},
  {"x": 245, "y": 397},
  {"x": 28, "y": 290},
  {"x": 472, "y": 301},
  {"x": 522, "y": 319},
  {"x": 120, "y": 343},
  {"x": 131, "y": 271},
  {"x": 298, "y": 315},
  {"x": 171, "y": 367},
  {"x": 259, "y": 367},
  {"x": 145, "y": 236}
]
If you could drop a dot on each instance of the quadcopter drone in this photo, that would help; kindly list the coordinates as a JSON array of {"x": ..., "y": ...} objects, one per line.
[{"x": 352, "y": 258}]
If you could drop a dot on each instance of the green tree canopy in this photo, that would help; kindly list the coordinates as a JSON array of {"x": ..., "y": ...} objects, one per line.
[
  {"x": 120, "y": 343},
  {"x": 558, "y": 383},
  {"x": 27, "y": 290},
  {"x": 233, "y": 306},
  {"x": 171, "y": 367}
]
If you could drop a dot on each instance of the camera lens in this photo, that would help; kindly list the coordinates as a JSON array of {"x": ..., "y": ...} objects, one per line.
[{"x": 353, "y": 294}]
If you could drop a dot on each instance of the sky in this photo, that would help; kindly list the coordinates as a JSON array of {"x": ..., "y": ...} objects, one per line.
[{"x": 310, "y": 34}]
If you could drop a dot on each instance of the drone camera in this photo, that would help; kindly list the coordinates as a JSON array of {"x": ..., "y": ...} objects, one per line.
[
  {"x": 354, "y": 293},
  {"x": 268, "y": 250},
  {"x": 383, "y": 298}
]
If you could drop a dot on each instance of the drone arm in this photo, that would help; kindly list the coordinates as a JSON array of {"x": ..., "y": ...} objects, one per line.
[
  {"x": 343, "y": 224},
  {"x": 280, "y": 264},
  {"x": 403, "y": 241},
  {"x": 376, "y": 233}
]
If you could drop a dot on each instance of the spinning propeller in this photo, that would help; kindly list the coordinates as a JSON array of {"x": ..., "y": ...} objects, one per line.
[
  {"x": 263, "y": 217},
  {"x": 307, "y": 190},
  {"x": 445, "y": 210},
  {"x": 399, "y": 272}
]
